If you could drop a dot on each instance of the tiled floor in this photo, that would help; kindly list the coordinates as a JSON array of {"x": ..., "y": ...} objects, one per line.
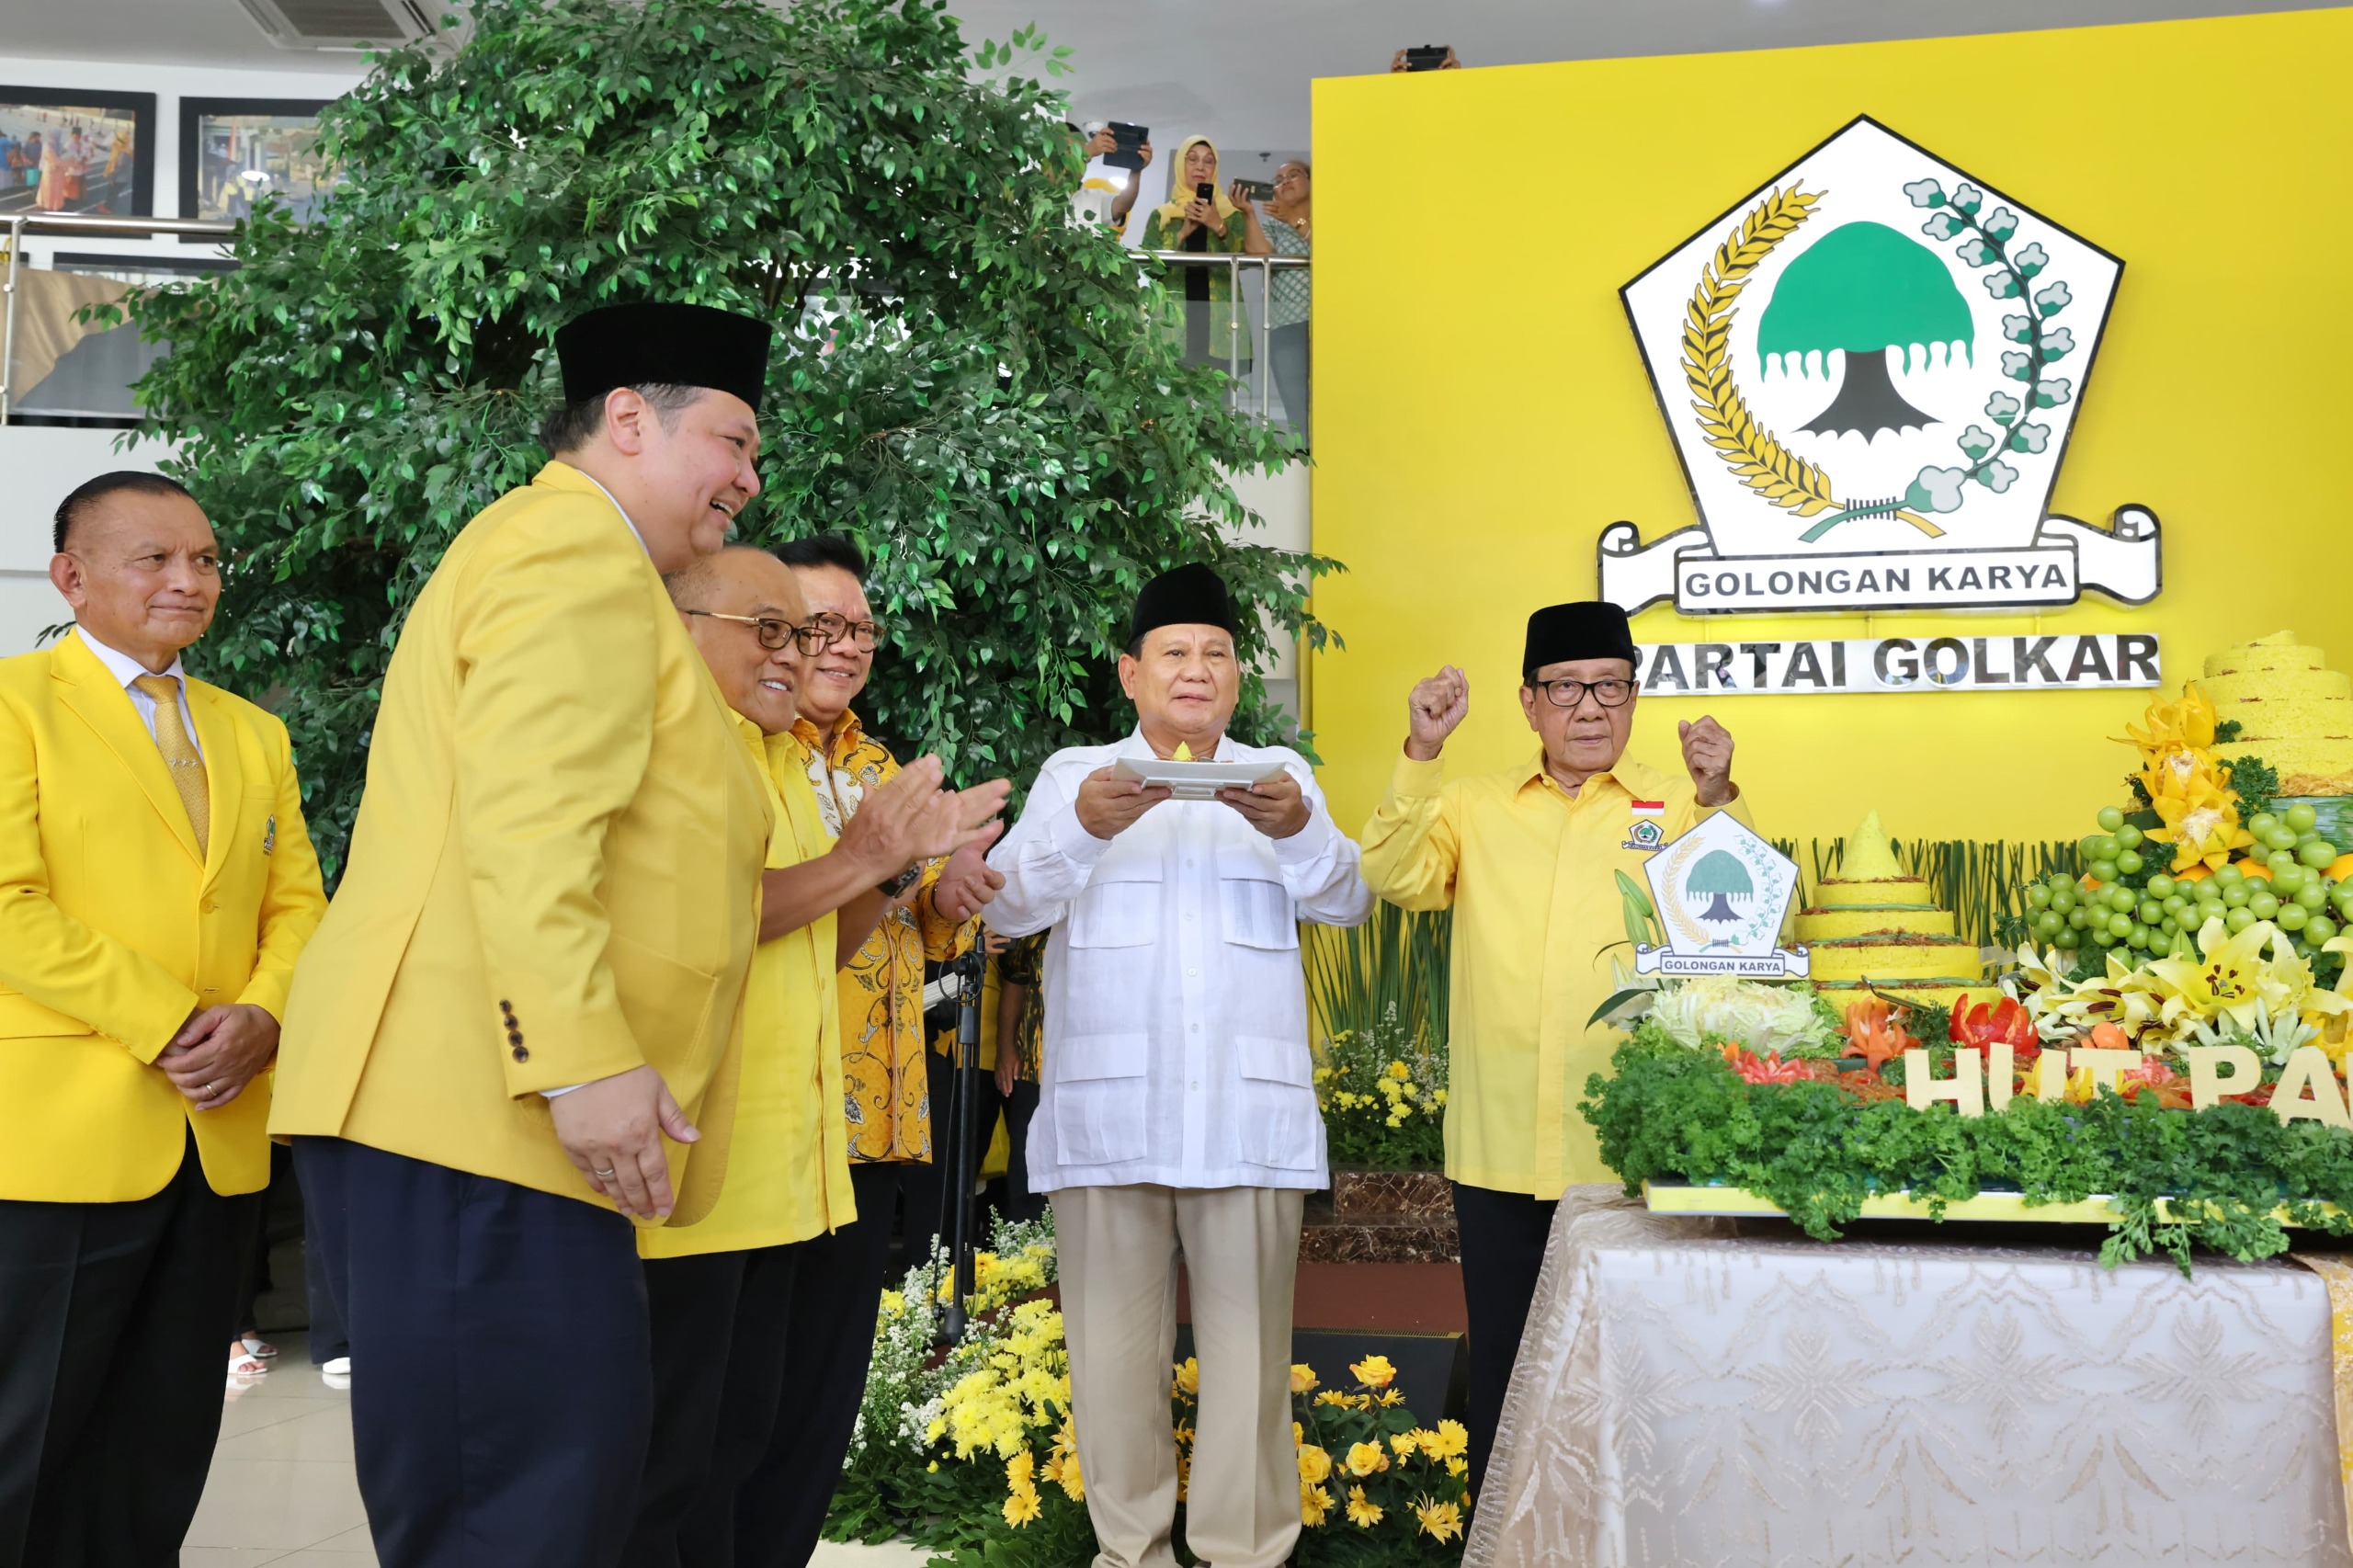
[{"x": 282, "y": 1490}]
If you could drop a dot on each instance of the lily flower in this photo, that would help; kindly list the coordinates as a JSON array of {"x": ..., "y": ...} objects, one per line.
[{"x": 2201, "y": 824}]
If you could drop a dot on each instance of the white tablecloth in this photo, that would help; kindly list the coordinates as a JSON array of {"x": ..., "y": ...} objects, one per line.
[{"x": 1689, "y": 1396}]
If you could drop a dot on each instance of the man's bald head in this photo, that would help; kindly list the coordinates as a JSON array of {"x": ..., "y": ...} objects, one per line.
[{"x": 724, "y": 598}]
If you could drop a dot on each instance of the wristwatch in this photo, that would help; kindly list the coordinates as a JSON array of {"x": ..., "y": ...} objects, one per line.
[{"x": 900, "y": 882}]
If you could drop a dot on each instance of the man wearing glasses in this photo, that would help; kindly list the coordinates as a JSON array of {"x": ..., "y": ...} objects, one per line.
[
  {"x": 934, "y": 914},
  {"x": 724, "y": 1292},
  {"x": 1526, "y": 858}
]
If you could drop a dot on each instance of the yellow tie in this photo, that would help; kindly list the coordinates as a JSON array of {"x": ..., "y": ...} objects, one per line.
[{"x": 180, "y": 756}]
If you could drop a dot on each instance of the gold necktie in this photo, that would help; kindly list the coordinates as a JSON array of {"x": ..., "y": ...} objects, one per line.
[{"x": 180, "y": 756}]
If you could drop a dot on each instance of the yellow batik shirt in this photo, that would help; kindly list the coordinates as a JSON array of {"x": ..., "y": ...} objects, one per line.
[
  {"x": 1527, "y": 869},
  {"x": 883, "y": 1082},
  {"x": 788, "y": 1163}
]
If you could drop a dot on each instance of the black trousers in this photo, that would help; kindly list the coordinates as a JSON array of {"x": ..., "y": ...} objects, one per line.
[
  {"x": 114, "y": 1325},
  {"x": 1502, "y": 1250},
  {"x": 502, "y": 1385},
  {"x": 836, "y": 1290},
  {"x": 723, "y": 1341},
  {"x": 1020, "y": 1107},
  {"x": 926, "y": 1184}
]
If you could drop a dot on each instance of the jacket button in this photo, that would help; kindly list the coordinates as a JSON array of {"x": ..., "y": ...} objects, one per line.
[
  {"x": 514, "y": 1037},
  {"x": 521, "y": 1054}
]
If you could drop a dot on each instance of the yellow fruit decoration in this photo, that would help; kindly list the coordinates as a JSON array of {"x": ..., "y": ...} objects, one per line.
[{"x": 1184, "y": 753}]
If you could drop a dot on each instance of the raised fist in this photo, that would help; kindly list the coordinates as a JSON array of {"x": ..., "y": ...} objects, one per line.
[{"x": 1433, "y": 711}]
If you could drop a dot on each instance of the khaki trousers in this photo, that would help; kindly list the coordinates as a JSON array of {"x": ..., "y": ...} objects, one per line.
[{"x": 1118, "y": 1248}]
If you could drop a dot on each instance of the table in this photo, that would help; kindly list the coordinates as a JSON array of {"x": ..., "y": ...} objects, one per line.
[{"x": 1725, "y": 1391}]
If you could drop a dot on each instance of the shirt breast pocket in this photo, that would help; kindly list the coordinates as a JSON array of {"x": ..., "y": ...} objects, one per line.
[
  {"x": 1120, "y": 906},
  {"x": 1252, "y": 901}
]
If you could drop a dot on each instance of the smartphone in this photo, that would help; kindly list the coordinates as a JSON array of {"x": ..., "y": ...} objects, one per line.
[
  {"x": 1130, "y": 139},
  {"x": 1205, "y": 191},
  {"x": 1427, "y": 57},
  {"x": 1258, "y": 189}
]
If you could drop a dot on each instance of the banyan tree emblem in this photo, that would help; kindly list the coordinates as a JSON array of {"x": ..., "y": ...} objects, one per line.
[{"x": 1870, "y": 368}]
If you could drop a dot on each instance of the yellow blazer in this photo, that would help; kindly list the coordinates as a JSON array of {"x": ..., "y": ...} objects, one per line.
[
  {"x": 555, "y": 872},
  {"x": 113, "y": 929}
]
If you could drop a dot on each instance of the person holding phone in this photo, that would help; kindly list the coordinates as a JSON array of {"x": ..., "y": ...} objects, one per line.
[
  {"x": 1106, "y": 140},
  {"x": 1198, "y": 216},
  {"x": 1426, "y": 57},
  {"x": 1280, "y": 226}
]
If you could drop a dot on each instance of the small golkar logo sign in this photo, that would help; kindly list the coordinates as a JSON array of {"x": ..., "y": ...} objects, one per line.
[
  {"x": 1870, "y": 368},
  {"x": 1721, "y": 893}
]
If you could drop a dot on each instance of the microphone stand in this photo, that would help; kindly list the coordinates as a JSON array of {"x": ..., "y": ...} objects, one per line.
[{"x": 963, "y": 1156}]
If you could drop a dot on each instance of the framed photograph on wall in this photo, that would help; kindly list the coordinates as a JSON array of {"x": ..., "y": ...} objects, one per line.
[
  {"x": 76, "y": 151},
  {"x": 234, "y": 151}
]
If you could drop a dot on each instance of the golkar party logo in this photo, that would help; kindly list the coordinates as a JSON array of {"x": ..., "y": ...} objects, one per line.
[
  {"x": 1722, "y": 892},
  {"x": 1870, "y": 367}
]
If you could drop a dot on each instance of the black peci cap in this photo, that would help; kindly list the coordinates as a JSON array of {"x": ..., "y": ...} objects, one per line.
[
  {"x": 1589, "y": 628},
  {"x": 642, "y": 345},
  {"x": 1184, "y": 595}
]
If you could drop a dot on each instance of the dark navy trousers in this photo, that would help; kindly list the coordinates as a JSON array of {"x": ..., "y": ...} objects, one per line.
[{"x": 501, "y": 1379}]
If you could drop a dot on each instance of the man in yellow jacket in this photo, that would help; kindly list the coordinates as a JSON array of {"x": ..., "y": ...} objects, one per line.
[
  {"x": 1525, "y": 858},
  {"x": 524, "y": 1002},
  {"x": 722, "y": 1290},
  {"x": 157, "y": 884}
]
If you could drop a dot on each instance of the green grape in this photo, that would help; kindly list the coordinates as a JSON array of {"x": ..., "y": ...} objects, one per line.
[
  {"x": 2129, "y": 837},
  {"x": 2149, "y": 912},
  {"x": 2167, "y": 928},
  {"x": 2211, "y": 912},
  {"x": 2078, "y": 919},
  {"x": 2312, "y": 898},
  {"x": 2047, "y": 924},
  {"x": 2229, "y": 875},
  {"x": 2261, "y": 824},
  {"x": 2176, "y": 906},
  {"x": 2287, "y": 879},
  {"x": 2319, "y": 853},
  {"x": 2163, "y": 886},
  {"x": 2100, "y": 938},
  {"x": 2345, "y": 904},
  {"x": 2319, "y": 930},
  {"x": 2104, "y": 870},
  {"x": 2089, "y": 847},
  {"x": 2129, "y": 863},
  {"x": 2122, "y": 926},
  {"x": 2066, "y": 941},
  {"x": 2263, "y": 907},
  {"x": 2283, "y": 838},
  {"x": 2292, "y": 917},
  {"x": 2063, "y": 899},
  {"x": 2278, "y": 857},
  {"x": 2038, "y": 896},
  {"x": 2137, "y": 938},
  {"x": 2239, "y": 919},
  {"x": 2235, "y": 896},
  {"x": 2122, "y": 900},
  {"x": 2111, "y": 819},
  {"x": 2301, "y": 817}
]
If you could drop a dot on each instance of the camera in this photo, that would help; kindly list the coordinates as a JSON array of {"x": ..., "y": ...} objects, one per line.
[
  {"x": 1427, "y": 56},
  {"x": 1131, "y": 138}
]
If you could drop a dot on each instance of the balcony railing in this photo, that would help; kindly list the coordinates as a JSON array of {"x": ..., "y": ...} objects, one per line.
[{"x": 1252, "y": 393}]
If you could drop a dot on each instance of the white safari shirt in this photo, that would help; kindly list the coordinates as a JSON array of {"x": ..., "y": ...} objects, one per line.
[{"x": 1175, "y": 1012}]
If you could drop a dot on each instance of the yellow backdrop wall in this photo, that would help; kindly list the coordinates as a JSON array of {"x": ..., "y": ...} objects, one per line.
[{"x": 1482, "y": 412}]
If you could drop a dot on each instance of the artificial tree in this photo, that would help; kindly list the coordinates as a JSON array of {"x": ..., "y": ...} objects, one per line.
[{"x": 963, "y": 379}]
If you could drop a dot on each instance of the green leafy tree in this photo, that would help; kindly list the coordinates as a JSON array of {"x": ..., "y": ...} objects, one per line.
[{"x": 963, "y": 379}]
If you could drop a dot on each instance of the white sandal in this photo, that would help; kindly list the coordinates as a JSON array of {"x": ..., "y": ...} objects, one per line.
[
  {"x": 245, "y": 1365},
  {"x": 256, "y": 1345}
]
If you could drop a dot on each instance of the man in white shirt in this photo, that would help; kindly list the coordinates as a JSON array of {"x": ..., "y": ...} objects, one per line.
[{"x": 1177, "y": 1109}]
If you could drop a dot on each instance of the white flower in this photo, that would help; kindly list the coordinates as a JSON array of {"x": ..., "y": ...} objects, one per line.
[
  {"x": 2017, "y": 329},
  {"x": 2018, "y": 366},
  {"x": 1968, "y": 198},
  {"x": 1996, "y": 476},
  {"x": 1977, "y": 441},
  {"x": 2001, "y": 223},
  {"x": 2031, "y": 260},
  {"x": 2052, "y": 298},
  {"x": 1941, "y": 226},
  {"x": 2057, "y": 343},
  {"x": 1936, "y": 490},
  {"x": 2001, "y": 285},
  {"x": 2053, "y": 392},
  {"x": 1925, "y": 193},
  {"x": 1975, "y": 251},
  {"x": 2030, "y": 437},
  {"x": 2002, "y": 408}
]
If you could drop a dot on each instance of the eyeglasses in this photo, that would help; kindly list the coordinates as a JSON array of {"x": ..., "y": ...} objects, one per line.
[
  {"x": 862, "y": 634},
  {"x": 1569, "y": 693},
  {"x": 774, "y": 633}
]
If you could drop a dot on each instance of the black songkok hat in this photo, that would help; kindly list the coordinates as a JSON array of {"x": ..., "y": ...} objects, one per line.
[
  {"x": 1184, "y": 595},
  {"x": 1590, "y": 629},
  {"x": 642, "y": 345}
]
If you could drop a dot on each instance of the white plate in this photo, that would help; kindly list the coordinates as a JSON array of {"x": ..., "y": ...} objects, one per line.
[{"x": 1195, "y": 780}]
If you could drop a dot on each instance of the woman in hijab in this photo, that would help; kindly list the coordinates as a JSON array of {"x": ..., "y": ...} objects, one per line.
[{"x": 1215, "y": 325}]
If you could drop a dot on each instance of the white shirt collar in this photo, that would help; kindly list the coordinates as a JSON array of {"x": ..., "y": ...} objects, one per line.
[
  {"x": 617, "y": 506},
  {"x": 122, "y": 667}
]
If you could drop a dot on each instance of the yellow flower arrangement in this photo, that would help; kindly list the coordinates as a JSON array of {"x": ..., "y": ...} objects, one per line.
[
  {"x": 1373, "y": 1371},
  {"x": 1366, "y": 1458},
  {"x": 1449, "y": 1438},
  {"x": 1188, "y": 1378},
  {"x": 1405, "y": 1442},
  {"x": 1439, "y": 1521},
  {"x": 1315, "y": 1505},
  {"x": 1362, "y": 1514},
  {"x": 1314, "y": 1464},
  {"x": 1303, "y": 1378}
]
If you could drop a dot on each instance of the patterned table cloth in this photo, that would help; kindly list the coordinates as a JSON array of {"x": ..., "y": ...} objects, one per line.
[{"x": 1719, "y": 1393}]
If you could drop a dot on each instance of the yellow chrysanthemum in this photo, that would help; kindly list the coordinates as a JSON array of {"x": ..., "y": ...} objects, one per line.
[
  {"x": 1366, "y": 1458},
  {"x": 1458, "y": 1465},
  {"x": 1451, "y": 1438},
  {"x": 1405, "y": 1443},
  {"x": 1303, "y": 1378},
  {"x": 1390, "y": 1399},
  {"x": 1373, "y": 1371},
  {"x": 1315, "y": 1505},
  {"x": 1400, "y": 1072},
  {"x": 1335, "y": 1397},
  {"x": 1314, "y": 1464},
  {"x": 1020, "y": 1507},
  {"x": 1362, "y": 1513},
  {"x": 1439, "y": 1521},
  {"x": 1189, "y": 1377}
]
